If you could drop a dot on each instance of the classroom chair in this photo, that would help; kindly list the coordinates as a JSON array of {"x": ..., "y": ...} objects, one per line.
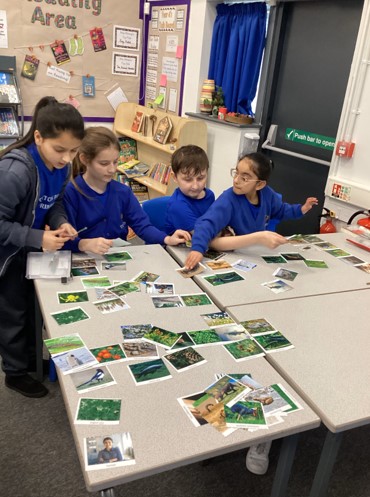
[{"x": 156, "y": 209}]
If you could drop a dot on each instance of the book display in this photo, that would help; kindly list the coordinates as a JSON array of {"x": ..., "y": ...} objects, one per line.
[
  {"x": 11, "y": 109},
  {"x": 161, "y": 134}
]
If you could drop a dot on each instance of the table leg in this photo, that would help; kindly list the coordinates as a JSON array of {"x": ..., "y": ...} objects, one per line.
[
  {"x": 39, "y": 342},
  {"x": 327, "y": 459},
  {"x": 286, "y": 458},
  {"x": 108, "y": 492}
]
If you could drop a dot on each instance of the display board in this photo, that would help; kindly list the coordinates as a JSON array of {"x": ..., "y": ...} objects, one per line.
[
  {"x": 165, "y": 55},
  {"x": 87, "y": 52}
]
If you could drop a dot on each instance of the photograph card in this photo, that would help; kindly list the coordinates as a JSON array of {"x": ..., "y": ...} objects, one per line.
[
  {"x": 195, "y": 299},
  {"x": 223, "y": 278},
  {"x": 245, "y": 414},
  {"x": 183, "y": 342},
  {"x": 83, "y": 262},
  {"x": 108, "y": 451},
  {"x": 70, "y": 316},
  {"x": 118, "y": 256},
  {"x": 273, "y": 259},
  {"x": 75, "y": 360},
  {"x": 84, "y": 271},
  {"x": 204, "y": 337},
  {"x": 243, "y": 265},
  {"x": 124, "y": 287},
  {"x": 316, "y": 264},
  {"x": 72, "y": 297},
  {"x": 135, "y": 331},
  {"x": 92, "y": 379},
  {"x": 273, "y": 342},
  {"x": 292, "y": 256},
  {"x": 219, "y": 318},
  {"x": 113, "y": 266},
  {"x": 97, "y": 281},
  {"x": 285, "y": 274},
  {"x": 160, "y": 288},
  {"x": 149, "y": 372},
  {"x": 145, "y": 276},
  {"x": 244, "y": 349},
  {"x": 189, "y": 273},
  {"x": 112, "y": 305},
  {"x": 192, "y": 412},
  {"x": 218, "y": 264},
  {"x": 65, "y": 343},
  {"x": 165, "y": 338},
  {"x": 109, "y": 353},
  {"x": 98, "y": 411},
  {"x": 277, "y": 286},
  {"x": 185, "y": 359},
  {"x": 213, "y": 254},
  {"x": 167, "y": 301},
  {"x": 231, "y": 332},
  {"x": 140, "y": 349},
  {"x": 258, "y": 326}
]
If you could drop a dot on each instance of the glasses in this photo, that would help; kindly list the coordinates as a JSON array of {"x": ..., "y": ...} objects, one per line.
[{"x": 234, "y": 173}]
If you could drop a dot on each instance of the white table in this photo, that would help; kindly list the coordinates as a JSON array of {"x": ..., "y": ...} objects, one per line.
[
  {"x": 339, "y": 277},
  {"x": 329, "y": 365},
  {"x": 162, "y": 435}
]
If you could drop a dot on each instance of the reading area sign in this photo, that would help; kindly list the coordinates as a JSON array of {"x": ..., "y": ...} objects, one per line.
[{"x": 297, "y": 135}]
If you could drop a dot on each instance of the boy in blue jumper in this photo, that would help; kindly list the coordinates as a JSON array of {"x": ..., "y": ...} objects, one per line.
[
  {"x": 191, "y": 199},
  {"x": 100, "y": 208},
  {"x": 247, "y": 208}
]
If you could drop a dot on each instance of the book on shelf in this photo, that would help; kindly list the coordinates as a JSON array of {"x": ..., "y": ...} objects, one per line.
[
  {"x": 163, "y": 130},
  {"x": 137, "y": 122},
  {"x": 161, "y": 172},
  {"x": 128, "y": 149},
  {"x": 140, "y": 169},
  {"x": 8, "y": 122},
  {"x": 127, "y": 165},
  {"x": 8, "y": 89}
]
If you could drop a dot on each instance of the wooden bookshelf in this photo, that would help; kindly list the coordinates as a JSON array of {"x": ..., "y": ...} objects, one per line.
[{"x": 185, "y": 131}]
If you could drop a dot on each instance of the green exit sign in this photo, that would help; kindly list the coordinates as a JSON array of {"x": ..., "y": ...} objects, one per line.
[{"x": 297, "y": 135}]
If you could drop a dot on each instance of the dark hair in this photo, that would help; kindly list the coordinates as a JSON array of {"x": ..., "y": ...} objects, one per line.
[
  {"x": 51, "y": 118},
  {"x": 96, "y": 139},
  {"x": 262, "y": 166},
  {"x": 189, "y": 158},
  {"x": 107, "y": 438}
]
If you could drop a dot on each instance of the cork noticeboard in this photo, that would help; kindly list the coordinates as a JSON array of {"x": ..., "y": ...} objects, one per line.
[
  {"x": 69, "y": 41},
  {"x": 165, "y": 55}
]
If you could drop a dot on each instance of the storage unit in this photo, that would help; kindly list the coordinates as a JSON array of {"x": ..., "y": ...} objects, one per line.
[
  {"x": 11, "y": 108},
  {"x": 184, "y": 132}
]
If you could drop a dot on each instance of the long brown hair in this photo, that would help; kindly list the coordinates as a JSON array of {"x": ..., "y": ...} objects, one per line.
[
  {"x": 96, "y": 139},
  {"x": 51, "y": 118}
]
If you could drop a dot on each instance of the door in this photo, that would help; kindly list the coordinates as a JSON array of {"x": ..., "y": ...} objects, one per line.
[{"x": 312, "y": 46}]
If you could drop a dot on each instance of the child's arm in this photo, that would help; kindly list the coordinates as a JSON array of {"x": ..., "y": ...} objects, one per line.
[
  {"x": 307, "y": 206},
  {"x": 268, "y": 239}
]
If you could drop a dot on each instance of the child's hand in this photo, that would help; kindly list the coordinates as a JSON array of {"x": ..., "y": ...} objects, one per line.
[
  {"x": 98, "y": 246},
  {"x": 68, "y": 230},
  {"x": 307, "y": 206},
  {"x": 193, "y": 259},
  {"x": 270, "y": 239},
  {"x": 180, "y": 236},
  {"x": 54, "y": 239}
]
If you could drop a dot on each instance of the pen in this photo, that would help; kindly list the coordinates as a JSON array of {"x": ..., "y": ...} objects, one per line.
[{"x": 81, "y": 230}]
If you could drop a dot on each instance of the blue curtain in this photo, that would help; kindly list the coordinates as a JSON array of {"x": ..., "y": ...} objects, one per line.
[{"x": 238, "y": 41}]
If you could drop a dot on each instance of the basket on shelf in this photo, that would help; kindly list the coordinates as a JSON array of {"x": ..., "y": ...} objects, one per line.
[{"x": 239, "y": 118}]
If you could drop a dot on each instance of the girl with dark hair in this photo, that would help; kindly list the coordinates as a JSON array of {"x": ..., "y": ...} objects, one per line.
[
  {"x": 102, "y": 208},
  {"x": 33, "y": 172}
]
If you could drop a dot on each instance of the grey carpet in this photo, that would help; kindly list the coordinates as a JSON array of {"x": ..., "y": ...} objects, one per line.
[{"x": 38, "y": 459}]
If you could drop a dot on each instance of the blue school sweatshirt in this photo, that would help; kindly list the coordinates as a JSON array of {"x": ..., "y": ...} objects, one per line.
[
  {"x": 107, "y": 215},
  {"x": 236, "y": 211},
  {"x": 183, "y": 211}
]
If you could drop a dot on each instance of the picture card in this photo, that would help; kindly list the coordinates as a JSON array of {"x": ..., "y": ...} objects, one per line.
[
  {"x": 285, "y": 274},
  {"x": 316, "y": 264},
  {"x": 70, "y": 316},
  {"x": 245, "y": 414},
  {"x": 243, "y": 265},
  {"x": 231, "y": 332},
  {"x": 108, "y": 451},
  {"x": 124, "y": 287},
  {"x": 135, "y": 331},
  {"x": 223, "y": 278},
  {"x": 277, "y": 286},
  {"x": 72, "y": 297},
  {"x": 118, "y": 256},
  {"x": 92, "y": 379},
  {"x": 244, "y": 349},
  {"x": 95, "y": 281},
  {"x": 84, "y": 271},
  {"x": 183, "y": 342},
  {"x": 204, "y": 337},
  {"x": 292, "y": 256},
  {"x": 160, "y": 288},
  {"x": 189, "y": 273},
  {"x": 161, "y": 337},
  {"x": 274, "y": 259},
  {"x": 218, "y": 264},
  {"x": 65, "y": 343},
  {"x": 325, "y": 245},
  {"x": 113, "y": 266},
  {"x": 166, "y": 301},
  {"x": 102, "y": 293},
  {"x": 258, "y": 326},
  {"x": 112, "y": 305},
  {"x": 218, "y": 318},
  {"x": 213, "y": 254},
  {"x": 185, "y": 359},
  {"x": 109, "y": 353},
  {"x": 273, "y": 342},
  {"x": 149, "y": 372},
  {"x": 98, "y": 411},
  {"x": 196, "y": 299},
  {"x": 338, "y": 252},
  {"x": 83, "y": 262},
  {"x": 282, "y": 391},
  {"x": 271, "y": 400},
  {"x": 145, "y": 276},
  {"x": 75, "y": 360},
  {"x": 138, "y": 349},
  {"x": 192, "y": 411}
]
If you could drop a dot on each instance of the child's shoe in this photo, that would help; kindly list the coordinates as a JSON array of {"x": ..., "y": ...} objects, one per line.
[{"x": 258, "y": 458}]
